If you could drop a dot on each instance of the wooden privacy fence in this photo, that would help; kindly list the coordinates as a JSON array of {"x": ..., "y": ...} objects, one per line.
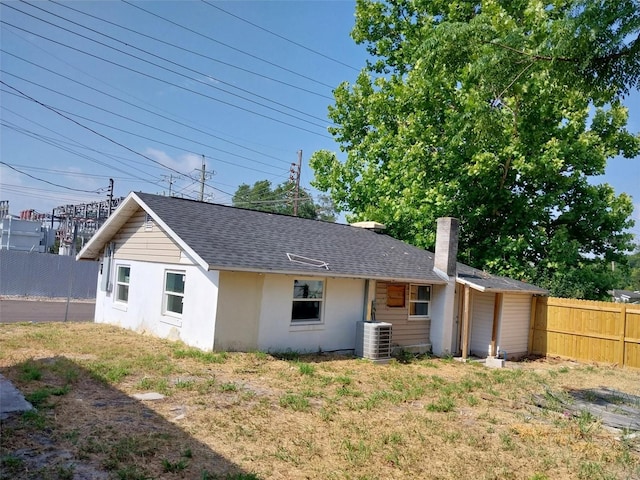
[{"x": 585, "y": 330}]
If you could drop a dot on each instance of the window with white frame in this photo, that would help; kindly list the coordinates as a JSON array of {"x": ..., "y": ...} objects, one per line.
[
  {"x": 122, "y": 283},
  {"x": 174, "y": 292},
  {"x": 419, "y": 300},
  {"x": 308, "y": 296}
]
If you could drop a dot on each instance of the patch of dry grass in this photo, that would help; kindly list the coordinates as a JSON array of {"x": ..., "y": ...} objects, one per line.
[{"x": 253, "y": 415}]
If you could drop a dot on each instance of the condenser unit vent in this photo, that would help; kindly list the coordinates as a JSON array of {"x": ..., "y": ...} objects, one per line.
[{"x": 373, "y": 340}]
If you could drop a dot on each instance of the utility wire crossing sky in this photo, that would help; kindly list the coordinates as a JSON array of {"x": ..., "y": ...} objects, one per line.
[{"x": 143, "y": 92}]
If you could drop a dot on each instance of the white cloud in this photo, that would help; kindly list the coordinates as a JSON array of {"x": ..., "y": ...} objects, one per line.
[{"x": 185, "y": 163}]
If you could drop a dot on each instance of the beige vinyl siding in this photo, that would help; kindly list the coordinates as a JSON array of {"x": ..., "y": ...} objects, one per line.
[
  {"x": 135, "y": 241},
  {"x": 514, "y": 327},
  {"x": 404, "y": 332}
]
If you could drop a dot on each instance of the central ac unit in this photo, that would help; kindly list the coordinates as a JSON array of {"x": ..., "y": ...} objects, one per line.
[{"x": 373, "y": 340}]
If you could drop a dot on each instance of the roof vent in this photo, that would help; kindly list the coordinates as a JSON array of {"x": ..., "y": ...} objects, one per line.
[
  {"x": 312, "y": 262},
  {"x": 374, "y": 226}
]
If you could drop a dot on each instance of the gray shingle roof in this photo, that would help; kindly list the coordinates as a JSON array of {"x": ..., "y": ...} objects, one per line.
[
  {"x": 486, "y": 281},
  {"x": 233, "y": 238},
  {"x": 228, "y": 238}
]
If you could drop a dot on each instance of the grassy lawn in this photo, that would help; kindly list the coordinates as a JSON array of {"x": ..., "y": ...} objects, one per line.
[{"x": 241, "y": 416}]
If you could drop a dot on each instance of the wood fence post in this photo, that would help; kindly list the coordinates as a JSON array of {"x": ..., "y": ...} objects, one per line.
[{"x": 623, "y": 330}]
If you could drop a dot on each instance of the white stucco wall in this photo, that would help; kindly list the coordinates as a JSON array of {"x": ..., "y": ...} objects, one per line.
[
  {"x": 144, "y": 310},
  {"x": 443, "y": 313},
  {"x": 343, "y": 307}
]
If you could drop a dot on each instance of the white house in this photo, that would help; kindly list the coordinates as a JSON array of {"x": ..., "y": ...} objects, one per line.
[{"x": 224, "y": 278}]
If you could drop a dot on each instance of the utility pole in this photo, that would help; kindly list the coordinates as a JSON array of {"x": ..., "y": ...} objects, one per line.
[
  {"x": 294, "y": 177},
  {"x": 202, "y": 177},
  {"x": 170, "y": 178},
  {"x": 110, "y": 195}
]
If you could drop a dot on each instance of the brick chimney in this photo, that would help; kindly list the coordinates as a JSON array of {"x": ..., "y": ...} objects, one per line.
[{"x": 446, "y": 245}]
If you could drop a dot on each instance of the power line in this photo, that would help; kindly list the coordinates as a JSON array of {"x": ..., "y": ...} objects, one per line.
[
  {"x": 25, "y": 191},
  {"x": 168, "y": 82},
  {"x": 140, "y": 108},
  {"x": 168, "y": 61},
  {"x": 137, "y": 122},
  {"x": 54, "y": 143},
  {"x": 229, "y": 46},
  {"x": 98, "y": 133},
  {"x": 193, "y": 52},
  {"x": 128, "y": 93},
  {"x": 47, "y": 181},
  {"x": 73, "y": 174},
  {"x": 60, "y": 144},
  {"x": 281, "y": 36},
  {"x": 169, "y": 70}
]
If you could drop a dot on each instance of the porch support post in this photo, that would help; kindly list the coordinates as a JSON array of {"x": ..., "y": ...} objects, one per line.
[
  {"x": 497, "y": 308},
  {"x": 466, "y": 320}
]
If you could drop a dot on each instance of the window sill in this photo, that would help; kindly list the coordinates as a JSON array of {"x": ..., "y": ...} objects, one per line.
[
  {"x": 419, "y": 319},
  {"x": 306, "y": 327},
  {"x": 171, "y": 319},
  {"x": 120, "y": 306}
]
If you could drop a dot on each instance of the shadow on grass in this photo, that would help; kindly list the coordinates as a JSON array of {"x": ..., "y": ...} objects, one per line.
[{"x": 84, "y": 428}]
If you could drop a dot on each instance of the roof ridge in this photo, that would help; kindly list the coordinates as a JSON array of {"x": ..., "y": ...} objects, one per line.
[{"x": 241, "y": 208}]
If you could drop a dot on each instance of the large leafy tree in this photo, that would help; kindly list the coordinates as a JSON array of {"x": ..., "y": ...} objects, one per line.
[
  {"x": 633, "y": 279},
  {"x": 262, "y": 196},
  {"x": 497, "y": 113}
]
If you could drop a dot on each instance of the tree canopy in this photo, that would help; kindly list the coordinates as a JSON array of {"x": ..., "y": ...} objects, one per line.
[
  {"x": 262, "y": 196},
  {"x": 498, "y": 113},
  {"x": 633, "y": 277}
]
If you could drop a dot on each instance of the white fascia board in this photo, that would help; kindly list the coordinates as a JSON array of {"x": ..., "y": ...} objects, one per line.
[
  {"x": 470, "y": 284},
  {"x": 176, "y": 238}
]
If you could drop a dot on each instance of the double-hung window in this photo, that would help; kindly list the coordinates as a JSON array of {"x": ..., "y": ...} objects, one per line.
[
  {"x": 419, "y": 301},
  {"x": 308, "y": 297},
  {"x": 122, "y": 283},
  {"x": 174, "y": 292}
]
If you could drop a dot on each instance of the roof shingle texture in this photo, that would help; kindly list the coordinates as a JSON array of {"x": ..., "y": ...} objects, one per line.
[
  {"x": 232, "y": 238},
  {"x": 228, "y": 237}
]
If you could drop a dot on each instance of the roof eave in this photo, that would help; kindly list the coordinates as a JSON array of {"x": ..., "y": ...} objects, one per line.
[{"x": 481, "y": 288}]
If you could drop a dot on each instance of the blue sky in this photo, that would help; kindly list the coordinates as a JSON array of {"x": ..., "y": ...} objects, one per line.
[{"x": 218, "y": 86}]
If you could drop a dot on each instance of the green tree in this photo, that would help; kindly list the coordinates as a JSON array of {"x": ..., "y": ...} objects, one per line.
[
  {"x": 633, "y": 279},
  {"x": 497, "y": 113},
  {"x": 262, "y": 196}
]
